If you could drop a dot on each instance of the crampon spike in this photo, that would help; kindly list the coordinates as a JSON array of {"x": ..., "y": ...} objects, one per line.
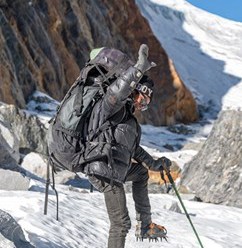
[{"x": 155, "y": 239}]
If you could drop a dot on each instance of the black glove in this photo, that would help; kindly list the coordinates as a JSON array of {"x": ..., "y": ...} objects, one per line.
[
  {"x": 143, "y": 64},
  {"x": 161, "y": 164}
]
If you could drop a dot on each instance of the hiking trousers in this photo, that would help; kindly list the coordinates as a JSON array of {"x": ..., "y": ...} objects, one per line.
[{"x": 115, "y": 200}]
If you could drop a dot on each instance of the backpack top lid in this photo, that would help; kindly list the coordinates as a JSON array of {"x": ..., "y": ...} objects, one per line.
[{"x": 112, "y": 60}]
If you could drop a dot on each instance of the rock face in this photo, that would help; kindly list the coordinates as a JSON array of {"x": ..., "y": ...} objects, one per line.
[
  {"x": 28, "y": 133},
  {"x": 20, "y": 133},
  {"x": 45, "y": 43},
  {"x": 9, "y": 145},
  {"x": 12, "y": 231},
  {"x": 215, "y": 173},
  {"x": 7, "y": 158}
]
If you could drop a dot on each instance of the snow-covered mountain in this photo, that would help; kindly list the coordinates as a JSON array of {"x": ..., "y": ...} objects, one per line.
[
  {"x": 205, "y": 48},
  {"x": 207, "y": 52}
]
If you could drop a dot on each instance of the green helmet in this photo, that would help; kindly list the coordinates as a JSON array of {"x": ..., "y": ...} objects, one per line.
[{"x": 95, "y": 52}]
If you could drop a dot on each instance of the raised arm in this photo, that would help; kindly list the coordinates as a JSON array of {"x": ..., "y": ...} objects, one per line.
[{"x": 119, "y": 91}]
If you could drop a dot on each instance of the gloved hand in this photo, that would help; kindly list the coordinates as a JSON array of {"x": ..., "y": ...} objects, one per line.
[
  {"x": 161, "y": 164},
  {"x": 143, "y": 64}
]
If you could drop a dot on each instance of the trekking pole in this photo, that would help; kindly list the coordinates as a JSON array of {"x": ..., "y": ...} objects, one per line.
[
  {"x": 47, "y": 187},
  {"x": 167, "y": 170}
]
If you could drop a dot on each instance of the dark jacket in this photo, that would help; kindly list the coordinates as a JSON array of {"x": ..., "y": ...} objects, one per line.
[{"x": 120, "y": 138}]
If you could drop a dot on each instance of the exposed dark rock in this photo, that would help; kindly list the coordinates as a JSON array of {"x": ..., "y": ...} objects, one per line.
[
  {"x": 215, "y": 173},
  {"x": 9, "y": 146},
  {"x": 11, "y": 230},
  {"x": 180, "y": 129},
  {"x": 29, "y": 131},
  {"x": 6, "y": 160}
]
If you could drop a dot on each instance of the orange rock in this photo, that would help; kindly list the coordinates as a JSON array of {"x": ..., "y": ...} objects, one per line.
[{"x": 154, "y": 177}]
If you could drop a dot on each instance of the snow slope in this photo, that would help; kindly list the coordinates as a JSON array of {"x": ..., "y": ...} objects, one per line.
[
  {"x": 205, "y": 48},
  {"x": 84, "y": 222}
]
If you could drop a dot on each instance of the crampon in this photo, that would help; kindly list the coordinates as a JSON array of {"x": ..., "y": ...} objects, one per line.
[{"x": 152, "y": 232}]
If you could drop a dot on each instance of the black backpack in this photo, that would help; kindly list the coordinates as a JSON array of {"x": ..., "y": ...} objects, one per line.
[{"x": 67, "y": 134}]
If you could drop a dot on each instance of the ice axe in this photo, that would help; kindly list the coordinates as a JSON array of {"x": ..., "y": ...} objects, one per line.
[{"x": 166, "y": 168}]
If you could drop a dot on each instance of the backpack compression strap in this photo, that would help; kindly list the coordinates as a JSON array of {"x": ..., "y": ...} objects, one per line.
[{"x": 115, "y": 71}]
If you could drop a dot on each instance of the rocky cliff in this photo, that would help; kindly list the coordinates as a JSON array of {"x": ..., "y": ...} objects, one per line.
[
  {"x": 20, "y": 133},
  {"x": 215, "y": 173},
  {"x": 45, "y": 43}
]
